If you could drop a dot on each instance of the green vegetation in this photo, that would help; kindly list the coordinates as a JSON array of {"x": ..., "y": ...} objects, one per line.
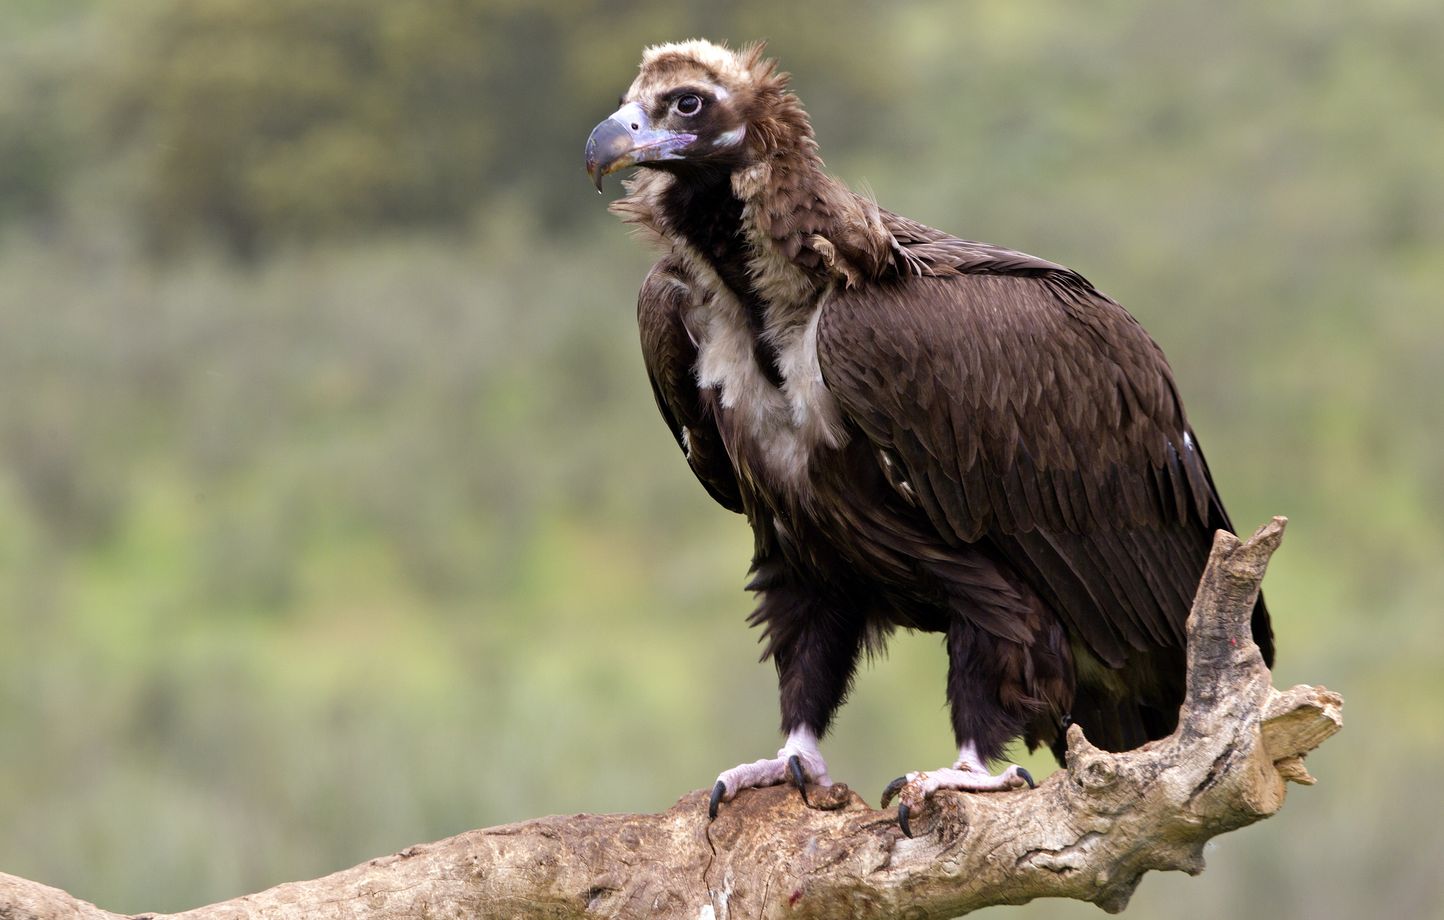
[{"x": 334, "y": 511}]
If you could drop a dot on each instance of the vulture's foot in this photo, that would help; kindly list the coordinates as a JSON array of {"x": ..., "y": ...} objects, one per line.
[
  {"x": 914, "y": 789},
  {"x": 798, "y": 762}
]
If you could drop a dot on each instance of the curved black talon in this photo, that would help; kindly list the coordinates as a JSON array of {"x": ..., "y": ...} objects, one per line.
[
  {"x": 1027, "y": 778},
  {"x": 794, "y": 763},
  {"x": 902, "y": 819},
  {"x": 718, "y": 791},
  {"x": 893, "y": 788}
]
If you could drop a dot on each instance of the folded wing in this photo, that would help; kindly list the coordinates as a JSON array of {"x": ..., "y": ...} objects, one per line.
[{"x": 1033, "y": 413}]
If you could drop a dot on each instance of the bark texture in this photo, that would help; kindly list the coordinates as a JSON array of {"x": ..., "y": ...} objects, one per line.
[{"x": 1089, "y": 832}]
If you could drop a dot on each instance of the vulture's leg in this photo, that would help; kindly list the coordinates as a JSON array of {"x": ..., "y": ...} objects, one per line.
[
  {"x": 798, "y": 761},
  {"x": 816, "y": 650},
  {"x": 982, "y": 673}
]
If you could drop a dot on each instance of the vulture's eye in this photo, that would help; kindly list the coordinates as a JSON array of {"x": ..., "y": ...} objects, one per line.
[{"x": 689, "y": 104}]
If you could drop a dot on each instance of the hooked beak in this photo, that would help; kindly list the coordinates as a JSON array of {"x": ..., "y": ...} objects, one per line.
[{"x": 628, "y": 138}]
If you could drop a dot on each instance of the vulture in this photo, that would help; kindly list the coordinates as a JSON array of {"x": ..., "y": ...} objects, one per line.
[{"x": 923, "y": 432}]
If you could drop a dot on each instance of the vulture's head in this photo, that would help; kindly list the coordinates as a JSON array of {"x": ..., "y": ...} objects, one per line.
[{"x": 697, "y": 109}]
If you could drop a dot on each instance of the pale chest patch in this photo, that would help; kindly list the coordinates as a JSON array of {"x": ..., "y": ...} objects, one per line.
[{"x": 783, "y": 427}]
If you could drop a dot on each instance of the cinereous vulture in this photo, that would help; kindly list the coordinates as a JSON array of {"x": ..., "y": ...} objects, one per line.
[{"x": 923, "y": 431}]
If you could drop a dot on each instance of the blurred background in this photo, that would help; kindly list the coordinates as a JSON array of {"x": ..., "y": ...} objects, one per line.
[{"x": 335, "y": 512}]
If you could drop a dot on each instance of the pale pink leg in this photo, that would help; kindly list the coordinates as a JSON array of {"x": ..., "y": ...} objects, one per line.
[{"x": 801, "y": 744}]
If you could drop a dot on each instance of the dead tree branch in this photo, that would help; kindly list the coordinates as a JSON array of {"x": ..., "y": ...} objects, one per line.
[{"x": 1089, "y": 832}]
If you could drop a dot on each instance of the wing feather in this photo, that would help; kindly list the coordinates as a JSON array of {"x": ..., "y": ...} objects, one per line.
[
  {"x": 1031, "y": 412},
  {"x": 670, "y": 356}
]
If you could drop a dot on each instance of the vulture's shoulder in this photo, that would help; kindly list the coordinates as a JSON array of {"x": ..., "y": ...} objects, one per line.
[{"x": 933, "y": 252}]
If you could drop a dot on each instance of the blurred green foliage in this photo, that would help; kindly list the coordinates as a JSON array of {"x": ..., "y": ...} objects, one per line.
[{"x": 334, "y": 512}]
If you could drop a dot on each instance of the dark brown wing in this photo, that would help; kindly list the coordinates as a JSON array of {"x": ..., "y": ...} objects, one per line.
[
  {"x": 1033, "y": 413},
  {"x": 670, "y": 356}
]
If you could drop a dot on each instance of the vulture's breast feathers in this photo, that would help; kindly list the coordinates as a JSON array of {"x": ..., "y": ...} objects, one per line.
[{"x": 779, "y": 422}]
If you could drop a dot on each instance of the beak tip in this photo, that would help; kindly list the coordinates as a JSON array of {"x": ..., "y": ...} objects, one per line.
[{"x": 608, "y": 149}]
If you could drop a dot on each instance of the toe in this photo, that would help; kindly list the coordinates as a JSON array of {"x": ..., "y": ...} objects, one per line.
[
  {"x": 718, "y": 791},
  {"x": 794, "y": 765},
  {"x": 893, "y": 788}
]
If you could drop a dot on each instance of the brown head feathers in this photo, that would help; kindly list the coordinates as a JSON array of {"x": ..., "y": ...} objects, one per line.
[
  {"x": 806, "y": 229},
  {"x": 745, "y": 80},
  {"x": 716, "y": 63}
]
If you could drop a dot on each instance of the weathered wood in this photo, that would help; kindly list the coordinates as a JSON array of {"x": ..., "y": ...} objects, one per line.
[{"x": 1089, "y": 832}]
